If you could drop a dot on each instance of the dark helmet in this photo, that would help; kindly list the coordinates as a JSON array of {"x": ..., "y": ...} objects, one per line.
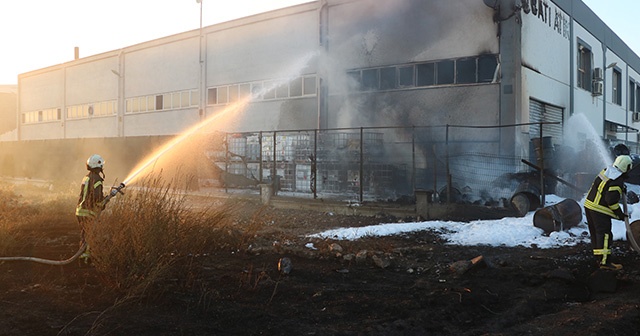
[{"x": 621, "y": 149}]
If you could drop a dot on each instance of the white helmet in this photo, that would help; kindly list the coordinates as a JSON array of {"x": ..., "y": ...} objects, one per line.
[
  {"x": 95, "y": 161},
  {"x": 623, "y": 163}
]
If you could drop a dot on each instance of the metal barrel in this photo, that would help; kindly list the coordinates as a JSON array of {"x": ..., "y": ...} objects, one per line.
[
  {"x": 558, "y": 217},
  {"x": 526, "y": 198},
  {"x": 543, "y": 150},
  {"x": 635, "y": 230}
]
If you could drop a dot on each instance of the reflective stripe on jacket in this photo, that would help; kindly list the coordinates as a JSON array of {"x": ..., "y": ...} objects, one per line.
[
  {"x": 91, "y": 200},
  {"x": 604, "y": 195}
]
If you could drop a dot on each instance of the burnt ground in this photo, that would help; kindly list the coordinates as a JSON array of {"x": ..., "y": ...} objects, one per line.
[{"x": 412, "y": 284}]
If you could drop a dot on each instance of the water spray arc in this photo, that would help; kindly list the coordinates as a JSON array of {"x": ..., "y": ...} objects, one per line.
[{"x": 288, "y": 75}]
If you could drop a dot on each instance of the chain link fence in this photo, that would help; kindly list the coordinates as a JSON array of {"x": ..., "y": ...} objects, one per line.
[{"x": 451, "y": 163}]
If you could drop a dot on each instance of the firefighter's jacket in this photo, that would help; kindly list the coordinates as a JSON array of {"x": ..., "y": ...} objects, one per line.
[
  {"x": 91, "y": 200},
  {"x": 605, "y": 193}
]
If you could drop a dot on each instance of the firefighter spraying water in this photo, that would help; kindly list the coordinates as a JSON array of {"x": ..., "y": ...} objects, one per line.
[
  {"x": 91, "y": 202},
  {"x": 92, "y": 199}
]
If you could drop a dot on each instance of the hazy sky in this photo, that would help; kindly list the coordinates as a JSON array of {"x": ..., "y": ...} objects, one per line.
[
  {"x": 39, "y": 33},
  {"x": 36, "y": 34}
]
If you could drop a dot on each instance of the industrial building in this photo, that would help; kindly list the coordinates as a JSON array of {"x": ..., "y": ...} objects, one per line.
[{"x": 341, "y": 64}]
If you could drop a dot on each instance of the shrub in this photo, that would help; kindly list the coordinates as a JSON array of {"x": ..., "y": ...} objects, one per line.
[{"x": 140, "y": 238}]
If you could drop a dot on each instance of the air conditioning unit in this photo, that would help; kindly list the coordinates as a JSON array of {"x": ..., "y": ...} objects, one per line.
[
  {"x": 635, "y": 116},
  {"x": 597, "y": 74},
  {"x": 597, "y": 89}
]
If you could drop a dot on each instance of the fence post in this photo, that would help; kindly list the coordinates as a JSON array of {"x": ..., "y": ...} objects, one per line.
[
  {"x": 448, "y": 180},
  {"x": 314, "y": 164},
  {"x": 273, "y": 169},
  {"x": 226, "y": 160},
  {"x": 260, "y": 156},
  {"x": 541, "y": 149},
  {"x": 361, "y": 163},
  {"x": 435, "y": 171},
  {"x": 413, "y": 159}
]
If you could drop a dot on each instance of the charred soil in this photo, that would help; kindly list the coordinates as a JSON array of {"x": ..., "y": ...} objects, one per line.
[{"x": 413, "y": 284}]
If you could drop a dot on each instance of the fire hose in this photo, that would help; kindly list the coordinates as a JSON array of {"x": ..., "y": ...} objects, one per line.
[{"x": 83, "y": 246}]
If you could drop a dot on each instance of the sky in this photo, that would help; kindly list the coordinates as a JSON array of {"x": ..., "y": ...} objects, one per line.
[
  {"x": 506, "y": 232},
  {"x": 35, "y": 34}
]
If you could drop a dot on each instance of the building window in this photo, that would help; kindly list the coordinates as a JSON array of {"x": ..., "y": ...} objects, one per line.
[
  {"x": 406, "y": 76},
  {"x": 185, "y": 99},
  {"x": 370, "y": 79},
  {"x": 159, "y": 102},
  {"x": 256, "y": 90},
  {"x": 295, "y": 87},
  {"x": 638, "y": 98},
  {"x": 195, "y": 97},
  {"x": 616, "y": 86},
  {"x": 487, "y": 65},
  {"x": 388, "y": 78},
  {"x": 426, "y": 74},
  {"x": 632, "y": 96},
  {"x": 445, "y": 72},
  {"x": 223, "y": 95},
  {"x": 212, "y": 96},
  {"x": 584, "y": 67},
  {"x": 466, "y": 71},
  {"x": 309, "y": 85},
  {"x": 356, "y": 80},
  {"x": 244, "y": 91},
  {"x": 270, "y": 87},
  {"x": 151, "y": 103},
  {"x": 282, "y": 91}
]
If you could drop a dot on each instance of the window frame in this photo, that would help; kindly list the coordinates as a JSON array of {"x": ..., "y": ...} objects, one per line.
[{"x": 584, "y": 66}]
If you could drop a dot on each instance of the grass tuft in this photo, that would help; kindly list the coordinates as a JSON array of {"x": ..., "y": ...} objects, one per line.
[{"x": 148, "y": 236}]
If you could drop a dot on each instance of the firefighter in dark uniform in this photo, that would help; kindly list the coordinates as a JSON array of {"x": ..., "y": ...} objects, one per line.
[
  {"x": 91, "y": 200},
  {"x": 602, "y": 204}
]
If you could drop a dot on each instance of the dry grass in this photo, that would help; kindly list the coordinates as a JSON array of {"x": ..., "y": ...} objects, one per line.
[
  {"x": 22, "y": 218},
  {"x": 149, "y": 236}
]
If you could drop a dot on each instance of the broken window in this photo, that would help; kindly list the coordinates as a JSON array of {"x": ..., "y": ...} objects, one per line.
[{"x": 486, "y": 68}]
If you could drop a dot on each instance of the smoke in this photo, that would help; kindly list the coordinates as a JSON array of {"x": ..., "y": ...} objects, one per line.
[{"x": 592, "y": 153}]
